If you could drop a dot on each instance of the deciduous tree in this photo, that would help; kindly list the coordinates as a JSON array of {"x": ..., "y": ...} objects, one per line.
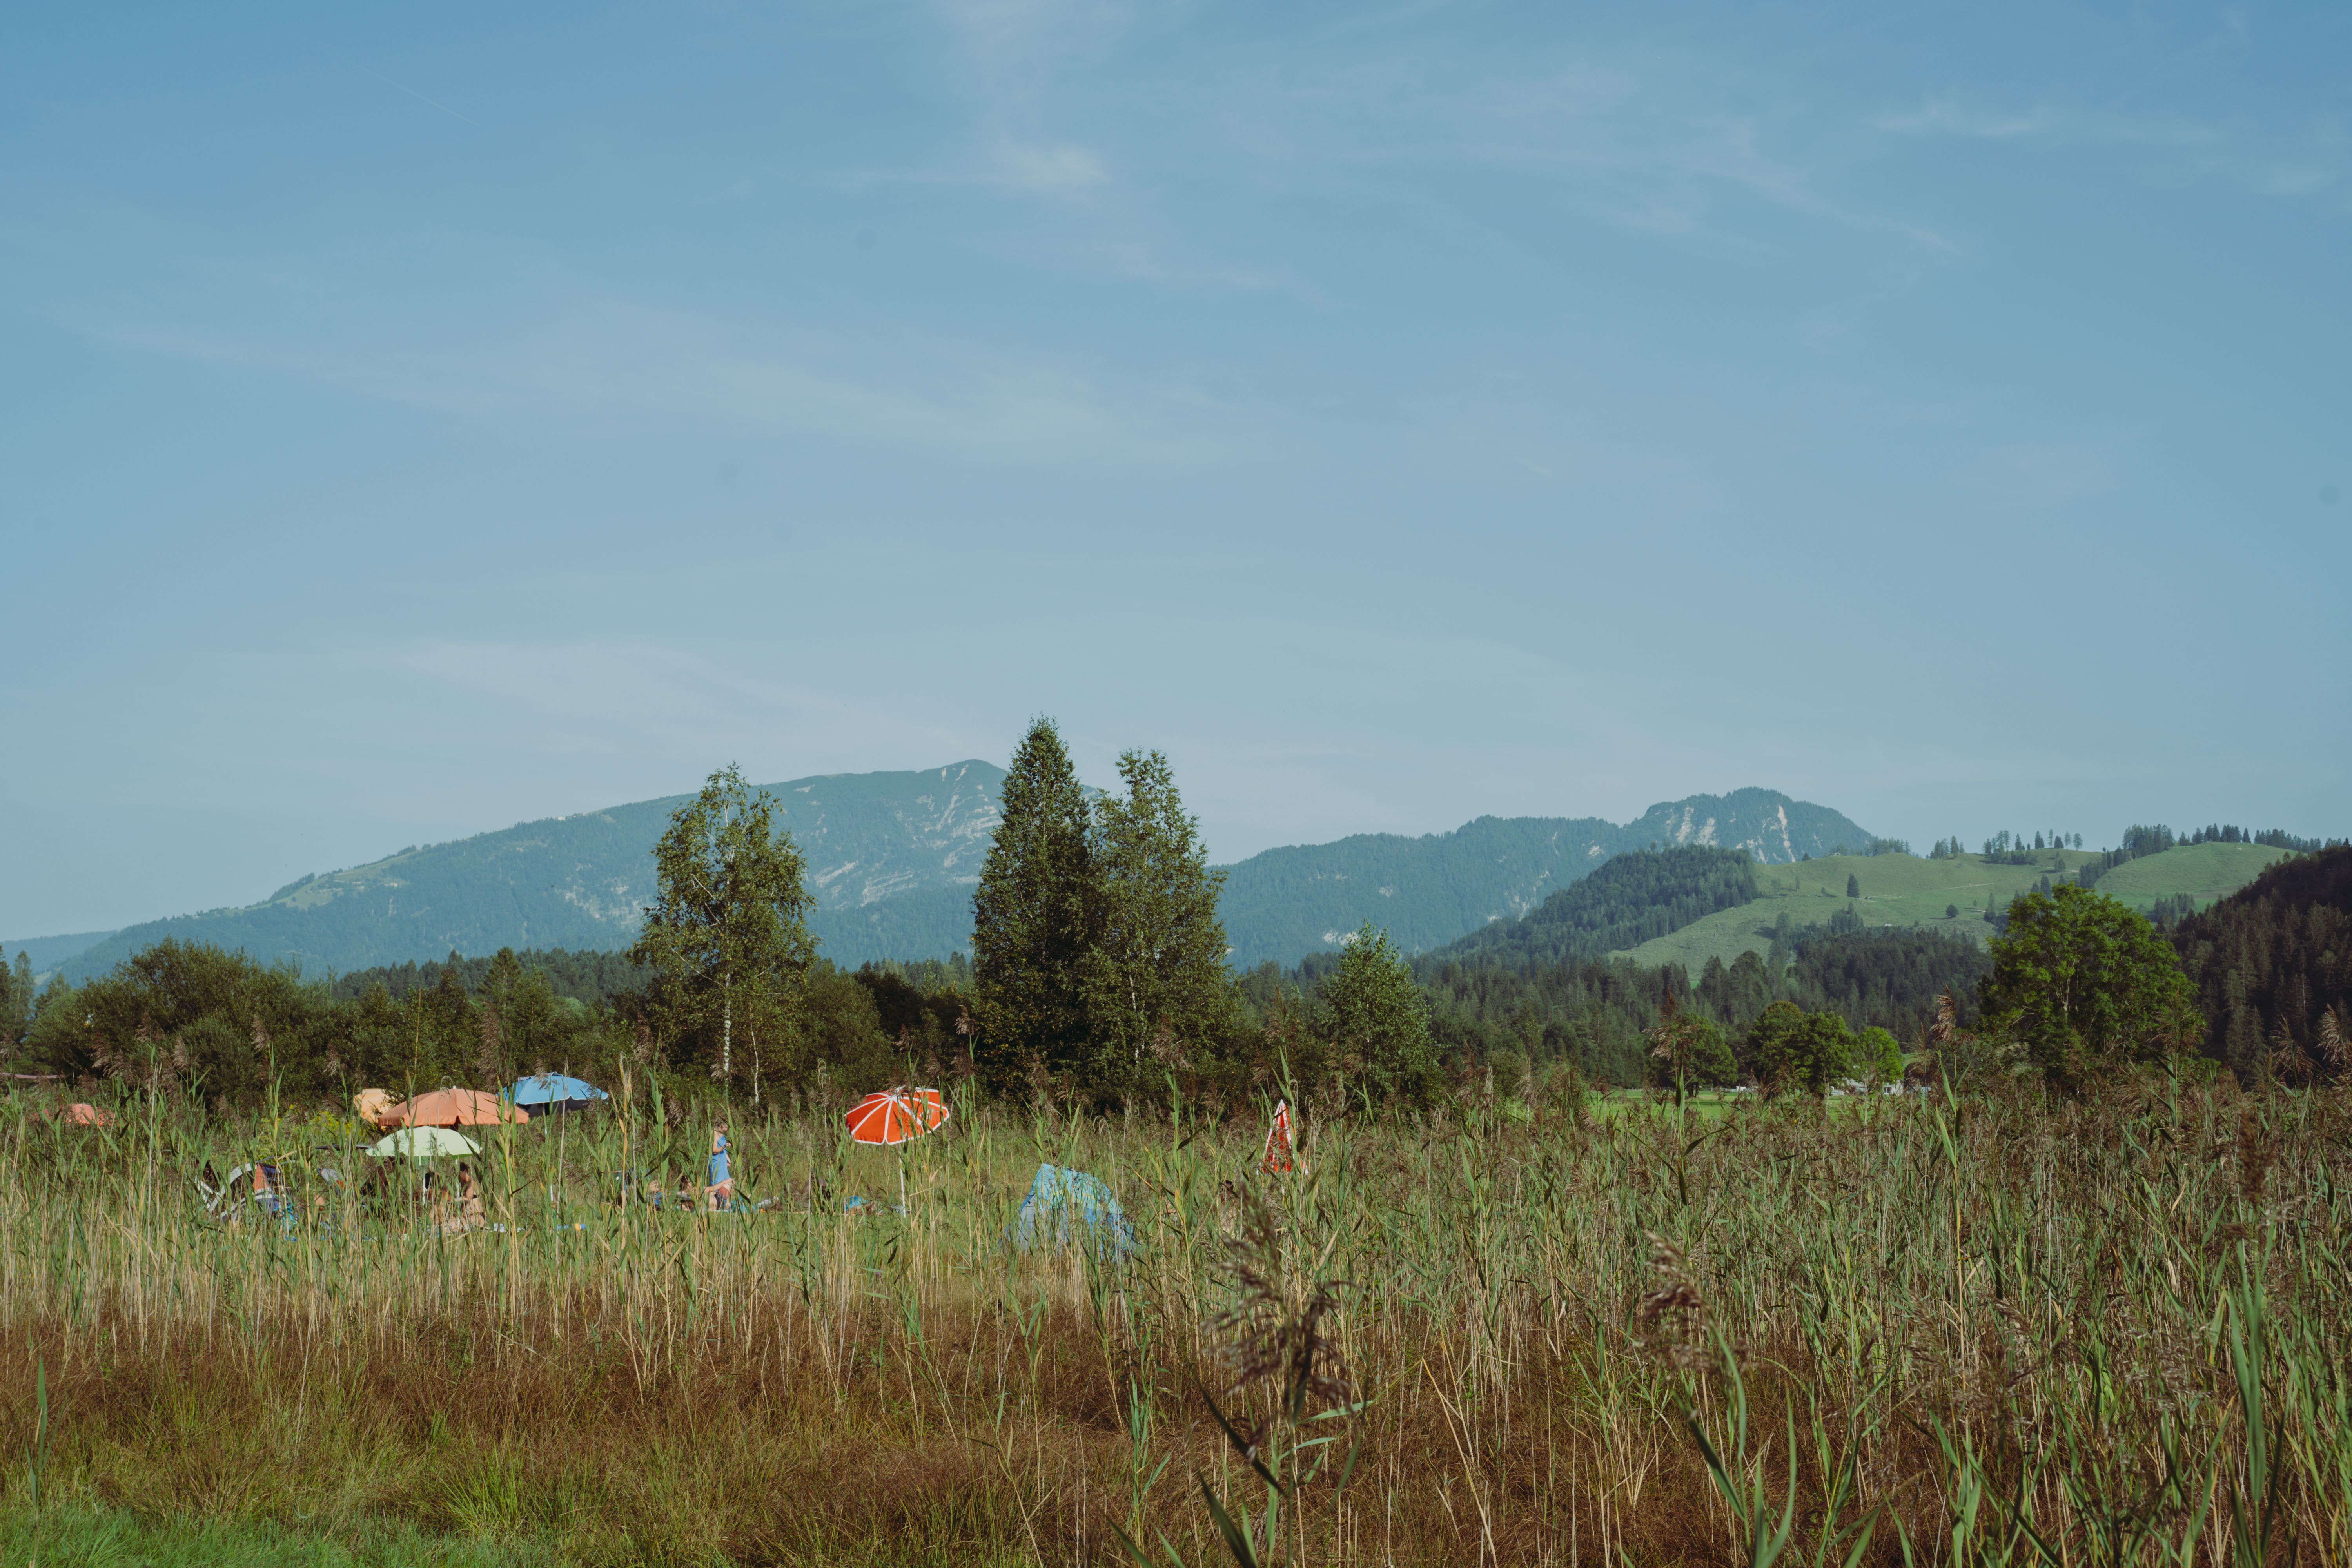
[
  {"x": 1688, "y": 1052},
  {"x": 1878, "y": 1054},
  {"x": 2079, "y": 979},
  {"x": 1791, "y": 1048},
  {"x": 726, "y": 934},
  {"x": 1377, "y": 1016}
]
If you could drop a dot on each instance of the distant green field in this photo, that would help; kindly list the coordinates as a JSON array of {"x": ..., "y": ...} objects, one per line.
[
  {"x": 1904, "y": 890},
  {"x": 2204, "y": 872}
]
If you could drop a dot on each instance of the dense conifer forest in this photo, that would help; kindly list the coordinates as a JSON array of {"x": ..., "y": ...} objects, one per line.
[
  {"x": 595, "y": 978},
  {"x": 2271, "y": 965},
  {"x": 1623, "y": 904}
]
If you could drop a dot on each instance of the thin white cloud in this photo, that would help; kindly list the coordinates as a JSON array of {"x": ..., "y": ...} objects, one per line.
[
  {"x": 2296, "y": 180},
  {"x": 603, "y": 694},
  {"x": 991, "y": 160},
  {"x": 1374, "y": 108},
  {"x": 1945, "y": 117},
  {"x": 1011, "y": 40},
  {"x": 2269, "y": 157},
  {"x": 1045, "y": 167},
  {"x": 1671, "y": 146},
  {"x": 2039, "y": 475},
  {"x": 602, "y": 361}
]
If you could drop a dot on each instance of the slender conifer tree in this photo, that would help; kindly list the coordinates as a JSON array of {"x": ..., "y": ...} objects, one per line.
[{"x": 1033, "y": 917}]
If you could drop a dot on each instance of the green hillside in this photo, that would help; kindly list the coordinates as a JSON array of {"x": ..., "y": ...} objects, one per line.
[
  {"x": 1633, "y": 895},
  {"x": 1905, "y": 890},
  {"x": 2206, "y": 872},
  {"x": 1282, "y": 904}
]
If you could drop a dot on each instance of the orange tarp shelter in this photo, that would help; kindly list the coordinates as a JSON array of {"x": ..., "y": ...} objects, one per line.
[{"x": 452, "y": 1107}]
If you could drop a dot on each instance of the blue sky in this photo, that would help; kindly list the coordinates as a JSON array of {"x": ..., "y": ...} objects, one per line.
[{"x": 415, "y": 422}]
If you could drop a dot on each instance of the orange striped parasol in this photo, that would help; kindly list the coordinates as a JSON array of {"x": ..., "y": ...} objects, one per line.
[
  {"x": 451, "y": 1108},
  {"x": 896, "y": 1115}
]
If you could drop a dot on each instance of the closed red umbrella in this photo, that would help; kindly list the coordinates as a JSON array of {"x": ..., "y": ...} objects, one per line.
[
  {"x": 896, "y": 1115},
  {"x": 1278, "y": 1156}
]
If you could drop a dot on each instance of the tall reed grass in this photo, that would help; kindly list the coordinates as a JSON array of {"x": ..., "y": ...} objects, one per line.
[{"x": 1990, "y": 1330}]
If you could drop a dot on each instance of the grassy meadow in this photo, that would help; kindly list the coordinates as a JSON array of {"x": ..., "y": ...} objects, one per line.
[
  {"x": 1904, "y": 890},
  {"x": 2206, "y": 872},
  {"x": 1987, "y": 1331}
]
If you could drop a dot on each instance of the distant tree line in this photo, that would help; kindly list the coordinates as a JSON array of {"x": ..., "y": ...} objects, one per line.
[
  {"x": 1870, "y": 848},
  {"x": 1098, "y": 980},
  {"x": 597, "y": 979}
]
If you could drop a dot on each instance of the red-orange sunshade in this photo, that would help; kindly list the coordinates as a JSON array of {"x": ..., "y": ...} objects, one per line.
[{"x": 896, "y": 1115}]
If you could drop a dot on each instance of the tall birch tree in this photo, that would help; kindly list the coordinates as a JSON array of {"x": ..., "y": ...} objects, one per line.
[{"x": 727, "y": 935}]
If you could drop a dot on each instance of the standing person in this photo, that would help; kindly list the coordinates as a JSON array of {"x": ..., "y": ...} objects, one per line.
[{"x": 723, "y": 1180}]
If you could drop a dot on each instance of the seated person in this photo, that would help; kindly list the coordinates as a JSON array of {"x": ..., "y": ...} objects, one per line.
[{"x": 470, "y": 1215}]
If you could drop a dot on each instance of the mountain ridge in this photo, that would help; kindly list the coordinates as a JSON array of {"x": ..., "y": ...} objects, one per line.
[
  {"x": 581, "y": 881},
  {"x": 892, "y": 860},
  {"x": 1302, "y": 898}
]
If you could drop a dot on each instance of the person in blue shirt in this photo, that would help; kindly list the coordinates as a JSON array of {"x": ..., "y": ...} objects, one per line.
[{"x": 723, "y": 1179}]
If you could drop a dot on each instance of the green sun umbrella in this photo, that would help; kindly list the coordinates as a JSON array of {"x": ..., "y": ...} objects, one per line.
[{"x": 423, "y": 1143}]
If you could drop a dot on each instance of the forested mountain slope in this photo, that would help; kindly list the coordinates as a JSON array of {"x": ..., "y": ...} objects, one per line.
[
  {"x": 45, "y": 953},
  {"x": 2272, "y": 962},
  {"x": 1626, "y": 901},
  {"x": 892, "y": 858},
  {"x": 1286, "y": 903}
]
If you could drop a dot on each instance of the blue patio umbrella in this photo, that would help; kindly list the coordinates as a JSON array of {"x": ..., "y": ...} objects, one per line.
[{"x": 553, "y": 1093}]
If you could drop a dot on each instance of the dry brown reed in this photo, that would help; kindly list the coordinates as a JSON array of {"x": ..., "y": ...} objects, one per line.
[{"x": 1994, "y": 1331}]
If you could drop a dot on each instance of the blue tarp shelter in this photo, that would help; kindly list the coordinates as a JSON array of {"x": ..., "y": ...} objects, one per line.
[
  {"x": 1065, "y": 1207},
  {"x": 553, "y": 1093}
]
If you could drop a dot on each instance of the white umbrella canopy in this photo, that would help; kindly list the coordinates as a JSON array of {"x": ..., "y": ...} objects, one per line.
[{"x": 423, "y": 1143}]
